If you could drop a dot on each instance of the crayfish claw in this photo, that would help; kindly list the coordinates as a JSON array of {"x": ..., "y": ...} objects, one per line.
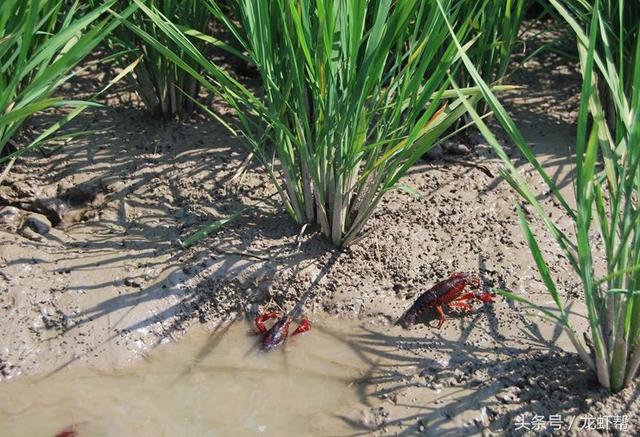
[
  {"x": 261, "y": 318},
  {"x": 485, "y": 297},
  {"x": 304, "y": 326}
]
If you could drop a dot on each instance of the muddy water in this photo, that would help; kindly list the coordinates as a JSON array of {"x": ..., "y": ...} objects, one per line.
[{"x": 206, "y": 384}]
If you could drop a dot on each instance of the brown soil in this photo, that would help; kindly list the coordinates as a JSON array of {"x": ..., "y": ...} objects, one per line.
[{"x": 109, "y": 280}]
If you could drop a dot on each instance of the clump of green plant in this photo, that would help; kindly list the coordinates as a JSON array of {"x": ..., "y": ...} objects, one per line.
[
  {"x": 607, "y": 188},
  {"x": 354, "y": 93},
  {"x": 41, "y": 42},
  {"x": 165, "y": 89}
]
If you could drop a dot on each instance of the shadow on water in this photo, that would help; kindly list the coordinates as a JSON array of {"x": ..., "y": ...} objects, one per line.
[
  {"x": 206, "y": 383},
  {"x": 322, "y": 383}
]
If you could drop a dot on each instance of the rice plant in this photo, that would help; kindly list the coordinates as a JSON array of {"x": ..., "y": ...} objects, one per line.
[
  {"x": 41, "y": 42},
  {"x": 354, "y": 92},
  {"x": 495, "y": 28},
  {"x": 607, "y": 188},
  {"x": 622, "y": 21},
  {"x": 165, "y": 89}
]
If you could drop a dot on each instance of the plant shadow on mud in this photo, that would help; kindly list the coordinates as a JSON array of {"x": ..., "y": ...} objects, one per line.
[
  {"x": 176, "y": 176},
  {"x": 476, "y": 379}
]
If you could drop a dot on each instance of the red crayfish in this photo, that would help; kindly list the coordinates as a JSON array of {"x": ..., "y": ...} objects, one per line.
[
  {"x": 448, "y": 292},
  {"x": 69, "y": 431},
  {"x": 279, "y": 332}
]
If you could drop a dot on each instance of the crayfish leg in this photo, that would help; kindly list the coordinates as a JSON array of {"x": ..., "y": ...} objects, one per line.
[
  {"x": 466, "y": 296},
  {"x": 485, "y": 297},
  {"x": 442, "y": 316},
  {"x": 463, "y": 305},
  {"x": 304, "y": 326}
]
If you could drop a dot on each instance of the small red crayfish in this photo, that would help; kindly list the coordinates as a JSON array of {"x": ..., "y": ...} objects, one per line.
[
  {"x": 448, "y": 292},
  {"x": 69, "y": 431},
  {"x": 279, "y": 332}
]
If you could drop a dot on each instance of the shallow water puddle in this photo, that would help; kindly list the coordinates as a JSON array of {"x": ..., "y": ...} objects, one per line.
[
  {"x": 206, "y": 384},
  {"x": 341, "y": 378}
]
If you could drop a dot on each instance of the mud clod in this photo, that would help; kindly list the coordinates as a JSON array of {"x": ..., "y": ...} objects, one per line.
[
  {"x": 38, "y": 223},
  {"x": 9, "y": 218}
]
